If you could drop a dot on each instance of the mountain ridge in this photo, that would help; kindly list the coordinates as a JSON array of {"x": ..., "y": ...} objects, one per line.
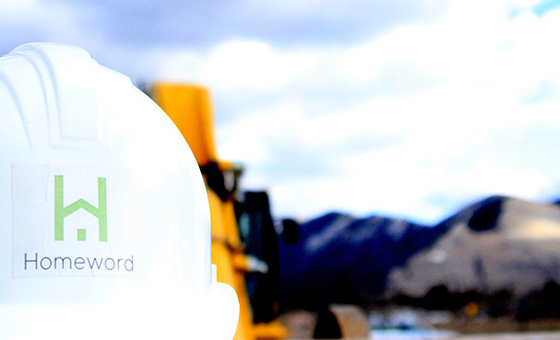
[{"x": 344, "y": 259}]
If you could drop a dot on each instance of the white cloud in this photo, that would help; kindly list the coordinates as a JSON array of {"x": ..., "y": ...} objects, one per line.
[
  {"x": 489, "y": 66},
  {"x": 248, "y": 137},
  {"x": 16, "y": 6},
  {"x": 253, "y": 65}
]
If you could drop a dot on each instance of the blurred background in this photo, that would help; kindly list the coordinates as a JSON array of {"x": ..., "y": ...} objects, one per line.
[
  {"x": 412, "y": 145},
  {"x": 408, "y": 108}
]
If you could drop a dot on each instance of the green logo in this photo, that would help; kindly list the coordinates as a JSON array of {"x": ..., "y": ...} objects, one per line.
[{"x": 61, "y": 212}]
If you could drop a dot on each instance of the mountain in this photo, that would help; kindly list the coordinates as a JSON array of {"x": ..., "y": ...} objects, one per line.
[
  {"x": 505, "y": 244},
  {"x": 494, "y": 244},
  {"x": 342, "y": 259}
]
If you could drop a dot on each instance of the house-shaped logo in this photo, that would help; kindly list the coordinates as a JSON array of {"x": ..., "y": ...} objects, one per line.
[{"x": 61, "y": 211}]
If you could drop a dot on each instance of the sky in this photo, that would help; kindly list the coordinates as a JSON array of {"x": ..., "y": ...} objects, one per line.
[{"x": 410, "y": 109}]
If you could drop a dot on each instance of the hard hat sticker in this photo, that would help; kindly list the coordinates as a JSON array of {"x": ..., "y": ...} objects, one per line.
[{"x": 73, "y": 221}]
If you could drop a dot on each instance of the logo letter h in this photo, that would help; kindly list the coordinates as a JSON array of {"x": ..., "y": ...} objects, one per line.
[{"x": 60, "y": 211}]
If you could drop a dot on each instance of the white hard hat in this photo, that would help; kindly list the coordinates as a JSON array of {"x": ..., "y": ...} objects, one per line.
[{"x": 105, "y": 223}]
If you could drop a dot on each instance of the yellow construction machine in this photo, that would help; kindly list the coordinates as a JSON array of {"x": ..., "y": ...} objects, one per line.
[{"x": 189, "y": 107}]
